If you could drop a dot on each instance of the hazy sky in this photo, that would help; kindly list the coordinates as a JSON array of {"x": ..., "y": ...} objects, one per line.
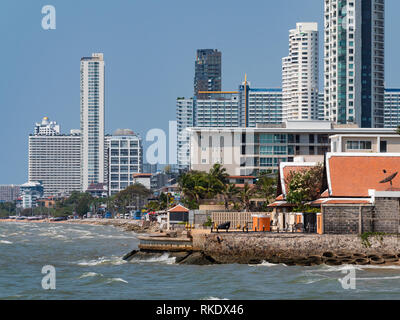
[{"x": 149, "y": 48}]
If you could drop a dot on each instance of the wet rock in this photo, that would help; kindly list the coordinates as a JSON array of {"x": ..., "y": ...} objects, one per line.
[
  {"x": 179, "y": 256},
  {"x": 199, "y": 259}
]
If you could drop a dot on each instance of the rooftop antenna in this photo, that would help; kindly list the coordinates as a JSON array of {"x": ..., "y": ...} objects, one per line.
[{"x": 389, "y": 179}]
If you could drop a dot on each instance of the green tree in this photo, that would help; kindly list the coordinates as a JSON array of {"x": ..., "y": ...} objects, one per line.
[
  {"x": 304, "y": 186},
  {"x": 266, "y": 187}
]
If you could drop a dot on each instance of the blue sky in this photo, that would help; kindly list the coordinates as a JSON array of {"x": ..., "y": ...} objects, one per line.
[{"x": 149, "y": 48}]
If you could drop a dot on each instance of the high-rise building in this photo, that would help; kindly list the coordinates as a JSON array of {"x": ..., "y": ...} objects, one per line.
[
  {"x": 184, "y": 119},
  {"x": 92, "y": 120},
  {"x": 264, "y": 106},
  {"x": 125, "y": 159},
  {"x": 246, "y": 107},
  {"x": 54, "y": 159},
  {"x": 300, "y": 74},
  {"x": 8, "y": 193},
  {"x": 208, "y": 72},
  {"x": 392, "y": 108},
  {"x": 354, "y": 62}
]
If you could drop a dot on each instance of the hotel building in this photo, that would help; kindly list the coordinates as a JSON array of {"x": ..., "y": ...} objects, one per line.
[{"x": 54, "y": 159}]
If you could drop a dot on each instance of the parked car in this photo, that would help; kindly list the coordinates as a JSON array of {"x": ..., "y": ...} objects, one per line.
[{"x": 108, "y": 215}]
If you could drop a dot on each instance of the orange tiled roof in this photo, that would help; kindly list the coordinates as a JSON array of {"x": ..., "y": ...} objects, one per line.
[
  {"x": 179, "y": 208},
  {"x": 353, "y": 175},
  {"x": 325, "y": 194}
]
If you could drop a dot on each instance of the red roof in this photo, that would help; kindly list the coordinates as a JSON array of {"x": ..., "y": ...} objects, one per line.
[
  {"x": 353, "y": 175},
  {"x": 179, "y": 208}
]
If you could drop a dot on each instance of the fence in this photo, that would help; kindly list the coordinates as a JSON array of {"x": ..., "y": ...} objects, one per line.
[{"x": 235, "y": 218}]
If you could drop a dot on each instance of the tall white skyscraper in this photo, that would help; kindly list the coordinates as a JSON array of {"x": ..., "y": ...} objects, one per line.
[
  {"x": 354, "y": 62},
  {"x": 300, "y": 74},
  {"x": 92, "y": 120}
]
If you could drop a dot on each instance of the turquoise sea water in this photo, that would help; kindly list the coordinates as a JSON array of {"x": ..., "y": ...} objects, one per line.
[{"x": 88, "y": 265}]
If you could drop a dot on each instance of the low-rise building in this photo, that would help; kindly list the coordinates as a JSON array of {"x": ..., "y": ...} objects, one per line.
[
  {"x": 363, "y": 194},
  {"x": 143, "y": 179},
  {"x": 30, "y": 193},
  {"x": 370, "y": 143},
  {"x": 250, "y": 151},
  {"x": 125, "y": 158}
]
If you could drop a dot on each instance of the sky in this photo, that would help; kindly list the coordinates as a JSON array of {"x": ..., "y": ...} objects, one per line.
[{"x": 149, "y": 49}]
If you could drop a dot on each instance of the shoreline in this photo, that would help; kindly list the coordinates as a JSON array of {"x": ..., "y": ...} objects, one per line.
[{"x": 137, "y": 226}]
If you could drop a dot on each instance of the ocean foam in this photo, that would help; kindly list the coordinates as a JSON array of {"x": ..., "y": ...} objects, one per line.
[
  {"x": 90, "y": 274},
  {"x": 165, "y": 259},
  {"x": 116, "y": 280},
  {"x": 5, "y": 242}
]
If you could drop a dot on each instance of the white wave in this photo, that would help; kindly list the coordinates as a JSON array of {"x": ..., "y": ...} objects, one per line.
[
  {"x": 344, "y": 267},
  {"x": 379, "y": 278},
  {"x": 5, "y": 242},
  {"x": 165, "y": 258},
  {"x": 116, "y": 280},
  {"x": 213, "y": 298},
  {"x": 91, "y": 263},
  {"x": 116, "y": 261},
  {"x": 90, "y": 274},
  {"x": 264, "y": 264}
]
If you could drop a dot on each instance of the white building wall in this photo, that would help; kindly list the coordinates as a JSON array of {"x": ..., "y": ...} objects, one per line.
[
  {"x": 92, "y": 120},
  {"x": 300, "y": 74}
]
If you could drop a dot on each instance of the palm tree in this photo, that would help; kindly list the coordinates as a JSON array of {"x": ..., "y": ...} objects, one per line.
[
  {"x": 229, "y": 193},
  {"x": 398, "y": 130},
  {"x": 245, "y": 196},
  {"x": 266, "y": 187},
  {"x": 219, "y": 173}
]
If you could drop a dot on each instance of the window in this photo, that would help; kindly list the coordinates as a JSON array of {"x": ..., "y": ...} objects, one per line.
[{"x": 359, "y": 145}]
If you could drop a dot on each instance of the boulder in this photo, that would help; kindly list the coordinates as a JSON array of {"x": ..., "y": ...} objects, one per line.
[{"x": 199, "y": 259}]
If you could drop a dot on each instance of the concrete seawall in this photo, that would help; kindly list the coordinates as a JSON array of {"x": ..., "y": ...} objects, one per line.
[{"x": 286, "y": 248}]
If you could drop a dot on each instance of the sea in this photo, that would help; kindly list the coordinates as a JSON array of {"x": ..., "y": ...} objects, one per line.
[{"x": 86, "y": 263}]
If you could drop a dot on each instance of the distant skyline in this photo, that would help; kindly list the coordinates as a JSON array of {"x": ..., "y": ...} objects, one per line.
[{"x": 149, "y": 51}]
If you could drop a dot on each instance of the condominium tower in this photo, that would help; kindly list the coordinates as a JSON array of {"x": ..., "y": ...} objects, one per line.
[
  {"x": 300, "y": 74},
  {"x": 354, "y": 62},
  {"x": 208, "y": 72},
  {"x": 92, "y": 120}
]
